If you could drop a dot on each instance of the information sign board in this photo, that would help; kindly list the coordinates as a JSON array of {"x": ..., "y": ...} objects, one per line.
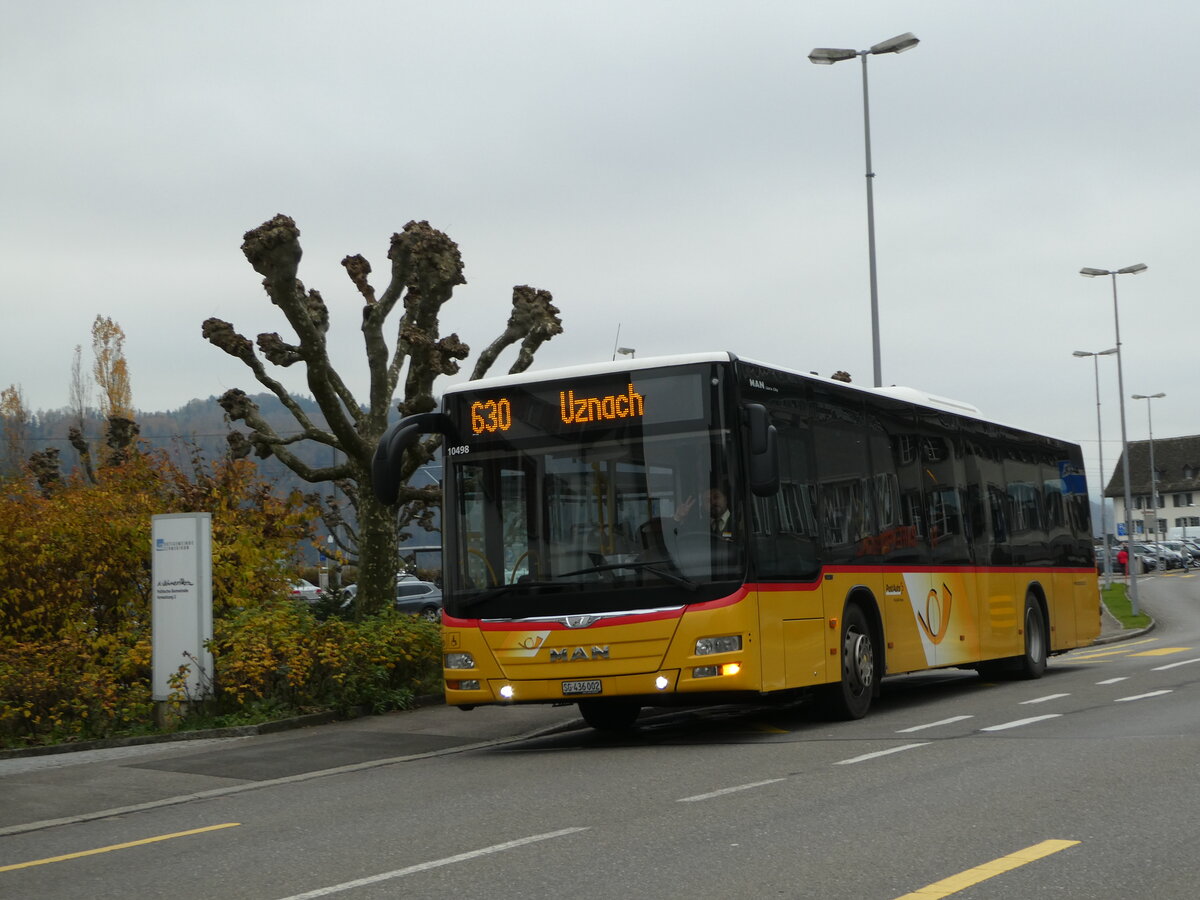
[{"x": 181, "y": 554}]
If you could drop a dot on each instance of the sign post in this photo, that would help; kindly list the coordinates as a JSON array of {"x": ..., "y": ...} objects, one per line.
[{"x": 181, "y": 550}]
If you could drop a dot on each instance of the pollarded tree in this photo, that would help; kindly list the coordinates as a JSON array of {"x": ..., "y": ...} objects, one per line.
[{"x": 425, "y": 269}]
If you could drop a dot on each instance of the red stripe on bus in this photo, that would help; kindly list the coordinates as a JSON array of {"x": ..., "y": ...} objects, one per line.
[
  {"x": 741, "y": 593},
  {"x": 527, "y": 624}
]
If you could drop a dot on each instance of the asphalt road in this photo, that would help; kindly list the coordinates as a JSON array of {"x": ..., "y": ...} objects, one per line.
[{"x": 1081, "y": 784}]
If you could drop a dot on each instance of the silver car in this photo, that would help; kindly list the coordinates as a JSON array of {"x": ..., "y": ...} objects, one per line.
[
  {"x": 423, "y": 598},
  {"x": 306, "y": 591}
]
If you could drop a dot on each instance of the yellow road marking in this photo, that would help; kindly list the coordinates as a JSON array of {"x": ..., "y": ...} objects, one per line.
[
  {"x": 1162, "y": 651},
  {"x": 1092, "y": 657},
  {"x": 151, "y": 840},
  {"x": 964, "y": 880},
  {"x": 1097, "y": 654}
]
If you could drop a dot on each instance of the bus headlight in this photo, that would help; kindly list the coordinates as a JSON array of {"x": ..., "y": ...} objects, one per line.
[
  {"x": 726, "y": 644},
  {"x": 459, "y": 661},
  {"x": 731, "y": 668}
]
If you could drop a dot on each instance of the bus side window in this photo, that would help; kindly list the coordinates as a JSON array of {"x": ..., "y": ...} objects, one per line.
[{"x": 784, "y": 525}]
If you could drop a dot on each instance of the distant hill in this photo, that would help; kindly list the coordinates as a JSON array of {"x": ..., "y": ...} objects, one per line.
[{"x": 201, "y": 424}]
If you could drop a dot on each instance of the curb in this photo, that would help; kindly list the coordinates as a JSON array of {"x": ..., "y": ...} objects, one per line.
[
  {"x": 290, "y": 724},
  {"x": 323, "y": 718},
  {"x": 1124, "y": 635}
]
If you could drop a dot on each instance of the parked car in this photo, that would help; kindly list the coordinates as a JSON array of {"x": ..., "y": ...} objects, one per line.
[
  {"x": 306, "y": 591},
  {"x": 1112, "y": 558},
  {"x": 420, "y": 597},
  {"x": 1187, "y": 551},
  {"x": 1149, "y": 559},
  {"x": 1171, "y": 559},
  {"x": 1146, "y": 561}
]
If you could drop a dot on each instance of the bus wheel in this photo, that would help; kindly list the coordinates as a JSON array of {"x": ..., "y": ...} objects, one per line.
[
  {"x": 851, "y": 697},
  {"x": 1032, "y": 662},
  {"x": 610, "y": 715}
]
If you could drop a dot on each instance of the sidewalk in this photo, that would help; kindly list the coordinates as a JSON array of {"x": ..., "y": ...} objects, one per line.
[{"x": 49, "y": 789}]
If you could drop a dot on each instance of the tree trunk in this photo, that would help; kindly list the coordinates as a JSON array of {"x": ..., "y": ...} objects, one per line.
[{"x": 377, "y": 554}]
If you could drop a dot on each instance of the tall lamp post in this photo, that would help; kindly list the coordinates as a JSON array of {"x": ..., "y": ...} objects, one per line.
[
  {"x": 1083, "y": 354},
  {"x": 827, "y": 56},
  {"x": 1153, "y": 474},
  {"x": 1135, "y": 269}
]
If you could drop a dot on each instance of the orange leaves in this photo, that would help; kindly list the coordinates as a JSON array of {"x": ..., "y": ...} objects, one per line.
[{"x": 75, "y": 585}]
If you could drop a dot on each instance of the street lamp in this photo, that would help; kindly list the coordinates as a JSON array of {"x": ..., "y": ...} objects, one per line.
[
  {"x": 827, "y": 56},
  {"x": 1083, "y": 354},
  {"x": 1135, "y": 607},
  {"x": 1153, "y": 475}
]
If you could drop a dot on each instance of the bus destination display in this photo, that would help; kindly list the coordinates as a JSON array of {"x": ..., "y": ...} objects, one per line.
[
  {"x": 566, "y": 407},
  {"x": 493, "y": 415}
]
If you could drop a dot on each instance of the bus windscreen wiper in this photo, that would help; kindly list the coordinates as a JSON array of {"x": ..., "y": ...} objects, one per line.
[
  {"x": 651, "y": 566},
  {"x": 500, "y": 590}
]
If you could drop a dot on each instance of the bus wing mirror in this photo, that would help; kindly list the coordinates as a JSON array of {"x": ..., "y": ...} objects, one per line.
[
  {"x": 389, "y": 452},
  {"x": 764, "y": 451}
]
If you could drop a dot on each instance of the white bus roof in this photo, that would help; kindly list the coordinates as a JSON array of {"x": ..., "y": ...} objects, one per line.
[
  {"x": 910, "y": 395},
  {"x": 585, "y": 369}
]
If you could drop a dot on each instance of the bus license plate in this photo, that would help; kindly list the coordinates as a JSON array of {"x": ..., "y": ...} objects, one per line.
[{"x": 581, "y": 687}]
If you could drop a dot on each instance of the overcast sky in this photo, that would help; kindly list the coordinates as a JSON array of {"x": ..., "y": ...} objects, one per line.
[{"x": 678, "y": 170}]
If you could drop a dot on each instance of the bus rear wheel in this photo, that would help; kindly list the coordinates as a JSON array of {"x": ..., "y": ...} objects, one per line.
[
  {"x": 1032, "y": 663},
  {"x": 851, "y": 697},
  {"x": 610, "y": 715}
]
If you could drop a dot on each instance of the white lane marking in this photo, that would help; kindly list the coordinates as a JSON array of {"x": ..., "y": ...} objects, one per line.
[
  {"x": 1141, "y": 696},
  {"x": 876, "y": 755},
  {"x": 1019, "y": 722},
  {"x": 1113, "y": 680},
  {"x": 949, "y": 721},
  {"x": 728, "y": 790},
  {"x": 1043, "y": 699},
  {"x": 432, "y": 864},
  {"x": 1186, "y": 662}
]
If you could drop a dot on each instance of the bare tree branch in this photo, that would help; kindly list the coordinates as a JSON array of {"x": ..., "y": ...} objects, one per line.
[
  {"x": 534, "y": 320},
  {"x": 426, "y": 267}
]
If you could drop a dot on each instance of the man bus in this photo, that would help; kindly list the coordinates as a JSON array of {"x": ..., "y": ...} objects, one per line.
[{"x": 868, "y": 532}]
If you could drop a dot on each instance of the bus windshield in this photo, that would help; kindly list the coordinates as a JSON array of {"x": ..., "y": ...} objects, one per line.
[{"x": 547, "y": 517}]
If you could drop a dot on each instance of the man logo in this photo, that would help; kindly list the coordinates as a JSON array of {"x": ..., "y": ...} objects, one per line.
[{"x": 567, "y": 654}]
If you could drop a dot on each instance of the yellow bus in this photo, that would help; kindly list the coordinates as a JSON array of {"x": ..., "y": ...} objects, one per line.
[{"x": 704, "y": 528}]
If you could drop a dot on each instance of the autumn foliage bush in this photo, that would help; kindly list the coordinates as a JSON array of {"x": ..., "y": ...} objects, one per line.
[
  {"x": 279, "y": 652},
  {"x": 75, "y": 610}
]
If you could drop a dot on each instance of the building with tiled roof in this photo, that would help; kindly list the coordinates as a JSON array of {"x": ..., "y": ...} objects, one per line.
[{"x": 1177, "y": 481}]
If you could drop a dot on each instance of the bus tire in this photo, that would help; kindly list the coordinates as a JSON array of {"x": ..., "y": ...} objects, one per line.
[
  {"x": 1032, "y": 663},
  {"x": 610, "y": 715},
  {"x": 851, "y": 697}
]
